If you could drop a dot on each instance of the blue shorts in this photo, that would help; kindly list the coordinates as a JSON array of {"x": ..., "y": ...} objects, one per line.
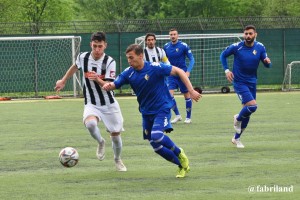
[
  {"x": 159, "y": 121},
  {"x": 245, "y": 92},
  {"x": 174, "y": 82}
]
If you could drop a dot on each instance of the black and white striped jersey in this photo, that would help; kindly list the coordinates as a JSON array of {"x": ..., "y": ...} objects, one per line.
[
  {"x": 105, "y": 67},
  {"x": 156, "y": 54}
]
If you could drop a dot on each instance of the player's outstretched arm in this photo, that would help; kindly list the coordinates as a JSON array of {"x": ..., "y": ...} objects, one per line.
[
  {"x": 60, "y": 84},
  {"x": 184, "y": 78},
  {"x": 109, "y": 86}
]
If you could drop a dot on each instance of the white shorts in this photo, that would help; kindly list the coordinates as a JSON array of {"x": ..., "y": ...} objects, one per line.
[{"x": 111, "y": 115}]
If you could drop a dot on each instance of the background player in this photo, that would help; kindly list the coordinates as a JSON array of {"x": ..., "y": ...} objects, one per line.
[
  {"x": 98, "y": 68},
  {"x": 177, "y": 51},
  {"x": 247, "y": 56},
  {"x": 148, "y": 82},
  {"x": 152, "y": 53}
]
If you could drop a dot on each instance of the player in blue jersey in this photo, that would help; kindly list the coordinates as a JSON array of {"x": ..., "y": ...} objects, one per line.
[
  {"x": 155, "y": 101},
  {"x": 247, "y": 56},
  {"x": 177, "y": 51}
]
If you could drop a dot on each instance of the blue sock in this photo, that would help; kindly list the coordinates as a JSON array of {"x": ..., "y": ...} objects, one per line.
[
  {"x": 246, "y": 112},
  {"x": 168, "y": 143},
  {"x": 175, "y": 108},
  {"x": 188, "y": 105},
  {"x": 165, "y": 153},
  {"x": 245, "y": 122}
]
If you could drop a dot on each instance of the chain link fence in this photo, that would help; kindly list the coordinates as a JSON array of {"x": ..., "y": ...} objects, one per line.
[{"x": 143, "y": 25}]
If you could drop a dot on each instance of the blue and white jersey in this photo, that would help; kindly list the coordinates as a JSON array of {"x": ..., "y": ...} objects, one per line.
[
  {"x": 149, "y": 86},
  {"x": 177, "y": 54},
  {"x": 246, "y": 61}
]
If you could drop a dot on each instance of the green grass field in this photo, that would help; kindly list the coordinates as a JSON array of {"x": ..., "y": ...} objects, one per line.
[{"x": 33, "y": 132}]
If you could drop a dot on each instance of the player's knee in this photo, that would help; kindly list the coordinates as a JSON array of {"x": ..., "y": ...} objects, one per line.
[
  {"x": 157, "y": 136},
  {"x": 91, "y": 125},
  {"x": 155, "y": 146},
  {"x": 252, "y": 108}
]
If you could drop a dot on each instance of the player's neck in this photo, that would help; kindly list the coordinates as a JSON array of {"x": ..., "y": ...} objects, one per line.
[
  {"x": 249, "y": 44},
  {"x": 174, "y": 42},
  {"x": 96, "y": 57}
]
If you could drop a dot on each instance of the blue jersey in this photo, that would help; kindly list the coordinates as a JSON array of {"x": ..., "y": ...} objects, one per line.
[
  {"x": 246, "y": 61},
  {"x": 177, "y": 54},
  {"x": 149, "y": 86}
]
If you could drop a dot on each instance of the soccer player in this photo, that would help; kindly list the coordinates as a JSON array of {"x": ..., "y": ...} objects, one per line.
[
  {"x": 100, "y": 105},
  {"x": 177, "y": 51},
  {"x": 148, "y": 82},
  {"x": 153, "y": 53},
  {"x": 247, "y": 56}
]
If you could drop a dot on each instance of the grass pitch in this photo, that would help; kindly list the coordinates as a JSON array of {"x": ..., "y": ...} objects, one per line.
[{"x": 33, "y": 132}]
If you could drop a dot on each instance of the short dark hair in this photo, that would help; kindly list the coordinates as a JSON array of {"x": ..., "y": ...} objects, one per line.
[
  {"x": 250, "y": 27},
  {"x": 99, "y": 36},
  {"x": 138, "y": 49},
  {"x": 173, "y": 29},
  {"x": 150, "y": 34}
]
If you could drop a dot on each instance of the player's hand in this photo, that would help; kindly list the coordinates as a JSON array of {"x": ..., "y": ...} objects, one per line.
[
  {"x": 108, "y": 86},
  {"x": 229, "y": 76},
  {"x": 92, "y": 76},
  {"x": 60, "y": 84},
  {"x": 196, "y": 96},
  {"x": 267, "y": 60}
]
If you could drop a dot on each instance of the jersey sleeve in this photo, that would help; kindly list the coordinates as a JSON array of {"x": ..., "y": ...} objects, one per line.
[
  {"x": 227, "y": 52},
  {"x": 164, "y": 57},
  {"x": 191, "y": 59},
  {"x": 122, "y": 78},
  {"x": 79, "y": 61},
  {"x": 263, "y": 56},
  {"x": 110, "y": 74}
]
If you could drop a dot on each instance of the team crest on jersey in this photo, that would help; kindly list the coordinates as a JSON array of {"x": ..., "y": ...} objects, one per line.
[
  {"x": 254, "y": 52},
  {"x": 147, "y": 77},
  {"x": 177, "y": 49},
  {"x": 112, "y": 74}
]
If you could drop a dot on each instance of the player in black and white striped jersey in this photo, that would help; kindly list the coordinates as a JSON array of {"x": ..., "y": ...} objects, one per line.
[
  {"x": 100, "y": 105},
  {"x": 153, "y": 53}
]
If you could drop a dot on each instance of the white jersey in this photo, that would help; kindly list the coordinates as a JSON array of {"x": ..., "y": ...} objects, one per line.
[
  {"x": 155, "y": 55},
  {"x": 105, "y": 67}
]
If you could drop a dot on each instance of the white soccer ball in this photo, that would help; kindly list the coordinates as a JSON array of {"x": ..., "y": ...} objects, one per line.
[{"x": 68, "y": 157}]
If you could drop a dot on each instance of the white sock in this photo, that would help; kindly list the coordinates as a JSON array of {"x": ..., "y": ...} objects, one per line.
[
  {"x": 117, "y": 146},
  {"x": 92, "y": 126}
]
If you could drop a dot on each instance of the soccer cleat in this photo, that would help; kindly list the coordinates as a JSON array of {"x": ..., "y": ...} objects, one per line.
[
  {"x": 237, "y": 142},
  {"x": 182, "y": 172},
  {"x": 237, "y": 124},
  {"x": 176, "y": 119},
  {"x": 187, "y": 121},
  {"x": 100, "y": 153},
  {"x": 183, "y": 159},
  {"x": 120, "y": 166}
]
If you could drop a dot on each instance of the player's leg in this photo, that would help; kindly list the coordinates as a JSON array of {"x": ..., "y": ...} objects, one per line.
[
  {"x": 90, "y": 119},
  {"x": 247, "y": 95},
  {"x": 188, "y": 102},
  {"x": 172, "y": 85},
  {"x": 113, "y": 120},
  {"x": 164, "y": 146}
]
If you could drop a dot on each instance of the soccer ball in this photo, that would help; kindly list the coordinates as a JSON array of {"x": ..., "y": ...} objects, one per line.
[{"x": 68, "y": 157}]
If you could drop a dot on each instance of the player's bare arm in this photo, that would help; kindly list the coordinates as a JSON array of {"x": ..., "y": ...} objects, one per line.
[
  {"x": 60, "y": 84},
  {"x": 184, "y": 78},
  {"x": 93, "y": 76},
  {"x": 109, "y": 86}
]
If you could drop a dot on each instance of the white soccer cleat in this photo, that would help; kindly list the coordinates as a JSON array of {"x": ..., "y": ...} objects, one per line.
[
  {"x": 237, "y": 142},
  {"x": 237, "y": 124},
  {"x": 100, "y": 153},
  {"x": 120, "y": 166},
  {"x": 176, "y": 119},
  {"x": 187, "y": 121}
]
